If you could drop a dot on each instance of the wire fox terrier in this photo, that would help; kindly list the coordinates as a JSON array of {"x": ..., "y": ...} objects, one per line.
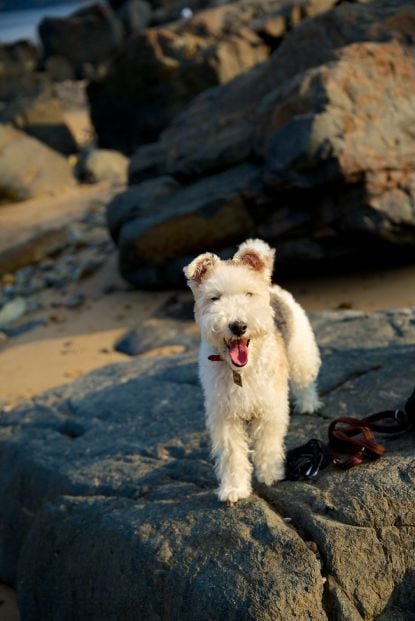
[{"x": 255, "y": 339}]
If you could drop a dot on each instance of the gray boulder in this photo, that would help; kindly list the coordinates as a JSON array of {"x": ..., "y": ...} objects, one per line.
[
  {"x": 331, "y": 142},
  {"x": 29, "y": 168},
  {"x": 108, "y": 508}
]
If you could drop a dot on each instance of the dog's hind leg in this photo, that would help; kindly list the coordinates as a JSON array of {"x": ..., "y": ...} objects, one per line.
[{"x": 302, "y": 350}]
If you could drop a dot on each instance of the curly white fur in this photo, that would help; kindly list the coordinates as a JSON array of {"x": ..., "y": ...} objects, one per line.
[{"x": 280, "y": 344}]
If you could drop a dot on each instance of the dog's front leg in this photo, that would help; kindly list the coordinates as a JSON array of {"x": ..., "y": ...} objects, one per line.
[
  {"x": 269, "y": 451},
  {"x": 230, "y": 452}
]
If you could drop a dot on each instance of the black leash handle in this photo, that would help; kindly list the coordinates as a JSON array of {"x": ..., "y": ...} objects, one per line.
[{"x": 305, "y": 461}]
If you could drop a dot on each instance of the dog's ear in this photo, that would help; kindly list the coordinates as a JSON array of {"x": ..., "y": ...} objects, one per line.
[
  {"x": 257, "y": 255},
  {"x": 199, "y": 268}
]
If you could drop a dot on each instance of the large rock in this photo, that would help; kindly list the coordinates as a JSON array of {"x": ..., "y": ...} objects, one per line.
[
  {"x": 18, "y": 58},
  {"x": 162, "y": 69},
  {"x": 27, "y": 98},
  {"x": 29, "y": 168},
  {"x": 41, "y": 116},
  {"x": 330, "y": 138},
  {"x": 210, "y": 209},
  {"x": 108, "y": 509},
  {"x": 86, "y": 39}
]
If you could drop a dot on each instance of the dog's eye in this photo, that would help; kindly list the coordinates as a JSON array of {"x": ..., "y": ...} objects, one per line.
[
  {"x": 214, "y": 299},
  {"x": 249, "y": 294}
]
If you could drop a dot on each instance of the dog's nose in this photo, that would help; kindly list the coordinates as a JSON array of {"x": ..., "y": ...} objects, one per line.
[{"x": 238, "y": 328}]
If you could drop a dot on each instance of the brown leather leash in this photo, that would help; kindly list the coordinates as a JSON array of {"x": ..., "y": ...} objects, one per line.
[{"x": 349, "y": 436}]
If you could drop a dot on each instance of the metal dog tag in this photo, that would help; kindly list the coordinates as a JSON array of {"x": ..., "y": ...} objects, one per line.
[{"x": 237, "y": 378}]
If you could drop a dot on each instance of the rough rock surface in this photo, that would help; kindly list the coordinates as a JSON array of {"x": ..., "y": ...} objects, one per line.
[
  {"x": 86, "y": 39},
  {"x": 41, "y": 116},
  {"x": 29, "y": 168},
  {"x": 28, "y": 100},
  {"x": 162, "y": 69},
  {"x": 108, "y": 508},
  {"x": 17, "y": 59},
  {"x": 327, "y": 128}
]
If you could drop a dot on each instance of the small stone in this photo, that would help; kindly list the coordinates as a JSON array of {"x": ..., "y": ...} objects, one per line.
[
  {"x": 33, "y": 305},
  {"x": 23, "y": 276},
  {"x": 54, "y": 280},
  {"x": 76, "y": 237},
  {"x": 12, "y": 311},
  {"x": 28, "y": 326},
  {"x": 86, "y": 268},
  {"x": 46, "y": 265},
  {"x": 57, "y": 317},
  {"x": 110, "y": 289},
  {"x": 9, "y": 291},
  {"x": 76, "y": 300},
  {"x": 3, "y": 338}
]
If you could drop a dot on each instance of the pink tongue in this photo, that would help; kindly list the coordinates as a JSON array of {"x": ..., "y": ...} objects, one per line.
[{"x": 238, "y": 352}]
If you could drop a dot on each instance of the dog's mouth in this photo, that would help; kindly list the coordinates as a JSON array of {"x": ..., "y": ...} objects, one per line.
[{"x": 238, "y": 351}]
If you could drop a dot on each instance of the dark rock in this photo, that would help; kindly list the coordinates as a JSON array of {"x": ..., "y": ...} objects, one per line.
[
  {"x": 27, "y": 326},
  {"x": 137, "y": 201},
  {"x": 59, "y": 69},
  {"x": 154, "y": 334},
  {"x": 27, "y": 99},
  {"x": 197, "y": 44},
  {"x": 109, "y": 479},
  {"x": 85, "y": 268},
  {"x": 76, "y": 300},
  {"x": 135, "y": 15},
  {"x": 16, "y": 60},
  {"x": 159, "y": 71},
  {"x": 180, "y": 307},
  {"x": 214, "y": 211},
  {"x": 335, "y": 174},
  {"x": 86, "y": 39}
]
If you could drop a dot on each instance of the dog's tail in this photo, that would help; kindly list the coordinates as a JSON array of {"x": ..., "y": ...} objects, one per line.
[{"x": 302, "y": 351}]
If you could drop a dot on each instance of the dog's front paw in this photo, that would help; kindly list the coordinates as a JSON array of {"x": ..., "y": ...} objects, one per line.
[
  {"x": 271, "y": 474},
  {"x": 232, "y": 495}
]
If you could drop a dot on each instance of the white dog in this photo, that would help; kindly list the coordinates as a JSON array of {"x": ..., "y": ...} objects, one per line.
[{"x": 255, "y": 338}]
